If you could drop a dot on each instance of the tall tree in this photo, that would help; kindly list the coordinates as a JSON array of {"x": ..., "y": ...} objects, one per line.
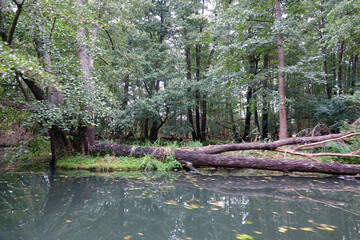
[{"x": 281, "y": 61}]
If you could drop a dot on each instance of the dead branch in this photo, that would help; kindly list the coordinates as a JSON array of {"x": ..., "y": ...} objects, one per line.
[
  {"x": 269, "y": 146},
  {"x": 322, "y": 143},
  {"x": 312, "y": 155}
]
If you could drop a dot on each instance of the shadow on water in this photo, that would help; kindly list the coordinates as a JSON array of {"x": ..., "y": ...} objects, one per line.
[{"x": 134, "y": 205}]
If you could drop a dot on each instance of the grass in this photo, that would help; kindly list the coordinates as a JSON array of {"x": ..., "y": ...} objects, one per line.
[{"x": 112, "y": 163}]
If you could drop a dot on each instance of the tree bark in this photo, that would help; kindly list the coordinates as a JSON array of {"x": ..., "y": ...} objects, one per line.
[
  {"x": 340, "y": 60},
  {"x": 188, "y": 77},
  {"x": 265, "y": 111},
  {"x": 247, "y": 114},
  {"x": 281, "y": 59},
  {"x": 197, "y": 92}
]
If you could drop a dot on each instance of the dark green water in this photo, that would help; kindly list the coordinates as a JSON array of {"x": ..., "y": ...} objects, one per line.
[{"x": 74, "y": 205}]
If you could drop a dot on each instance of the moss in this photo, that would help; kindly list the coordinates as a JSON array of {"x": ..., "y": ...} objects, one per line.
[{"x": 112, "y": 163}]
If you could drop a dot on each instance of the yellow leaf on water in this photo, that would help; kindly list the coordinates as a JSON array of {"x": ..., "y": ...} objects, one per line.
[
  {"x": 248, "y": 222},
  {"x": 308, "y": 229},
  {"x": 282, "y": 229},
  {"x": 244, "y": 237},
  {"x": 327, "y": 229},
  {"x": 218, "y": 204},
  {"x": 68, "y": 221},
  {"x": 127, "y": 237},
  {"x": 257, "y": 232},
  {"x": 171, "y": 202},
  {"x": 188, "y": 238},
  {"x": 141, "y": 234},
  {"x": 194, "y": 206}
]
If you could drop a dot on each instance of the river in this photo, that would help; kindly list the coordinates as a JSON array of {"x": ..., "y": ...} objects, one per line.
[{"x": 176, "y": 205}]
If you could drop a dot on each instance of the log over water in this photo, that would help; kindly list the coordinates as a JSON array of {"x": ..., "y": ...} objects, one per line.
[{"x": 205, "y": 157}]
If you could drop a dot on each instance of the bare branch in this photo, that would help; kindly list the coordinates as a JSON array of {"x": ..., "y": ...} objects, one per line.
[{"x": 322, "y": 143}]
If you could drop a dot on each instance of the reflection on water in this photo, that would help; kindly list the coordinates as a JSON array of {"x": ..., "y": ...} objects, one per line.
[{"x": 176, "y": 206}]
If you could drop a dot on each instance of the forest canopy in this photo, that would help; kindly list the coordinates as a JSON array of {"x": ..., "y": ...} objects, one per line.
[{"x": 236, "y": 70}]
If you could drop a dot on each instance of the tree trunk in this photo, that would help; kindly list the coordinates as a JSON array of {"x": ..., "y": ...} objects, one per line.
[
  {"x": 256, "y": 116},
  {"x": 354, "y": 71},
  {"x": 281, "y": 58},
  {"x": 10, "y": 36},
  {"x": 188, "y": 77},
  {"x": 341, "y": 53},
  {"x": 265, "y": 103},
  {"x": 207, "y": 156},
  {"x": 197, "y": 92},
  {"x": 203, "y": 119},
  {"x": 153, "y": 131},
  {"x": 328, "y": 84},
  {"x": 126, "y": 91},
  {"x": 248, "y": 114}
]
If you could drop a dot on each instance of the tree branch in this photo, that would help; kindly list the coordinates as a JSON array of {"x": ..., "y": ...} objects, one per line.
[
  {"x": 52, "y": 28},
  {"x": 15, "y": 21},
  {"x": 111, "y": 41},
  {"x": 322, "y": 143}
]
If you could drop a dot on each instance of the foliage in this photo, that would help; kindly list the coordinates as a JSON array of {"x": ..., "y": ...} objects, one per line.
[
  {"x": 28, "y": 153},
  {"x": 111, "y": 163},
  {"x": 171, "y": 69}
]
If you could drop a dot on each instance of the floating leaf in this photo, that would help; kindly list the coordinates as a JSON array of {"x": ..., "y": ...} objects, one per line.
[
  {"x": 68, "y": 221},
  {"x": 257, "y": 232},
  {"x": 308, "y": 229},
  {"x": 171, "y": 202},
  {"x": 141, "y": 234},
  {"x": 127, "y": 237},
  {"x": 248, "y": 222},
  {"x": 218, "y": 204},
  {"x": 282, "y": 229},
  {"x": 244, "y": 237},
  {"x": 326, "y": 228}
]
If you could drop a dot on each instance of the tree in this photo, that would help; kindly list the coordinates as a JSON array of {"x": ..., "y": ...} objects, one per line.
[{"x": 282, "y": 106}]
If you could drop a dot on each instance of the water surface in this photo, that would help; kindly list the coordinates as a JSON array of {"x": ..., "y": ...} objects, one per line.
[{"x": 74, "y": 205}]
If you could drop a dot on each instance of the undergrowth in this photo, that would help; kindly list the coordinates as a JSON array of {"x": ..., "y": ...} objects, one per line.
[{"x": 112, "y": 163}]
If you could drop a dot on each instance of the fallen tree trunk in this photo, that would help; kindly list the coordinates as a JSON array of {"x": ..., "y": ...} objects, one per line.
[
  {"x": 199, "y": 159},
  {"x": 205, "y": 157}
]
